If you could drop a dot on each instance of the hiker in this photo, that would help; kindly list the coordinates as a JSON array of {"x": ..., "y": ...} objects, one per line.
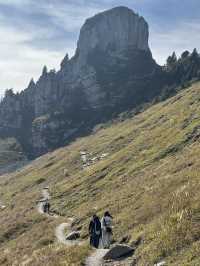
[
  {"x": 46, "y": 206},
  {"x": 106, "y": 227},
  {"x": 95, "y": 231}
]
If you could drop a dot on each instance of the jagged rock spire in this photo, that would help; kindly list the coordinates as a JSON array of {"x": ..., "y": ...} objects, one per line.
[{"x": 64, "y": 61}]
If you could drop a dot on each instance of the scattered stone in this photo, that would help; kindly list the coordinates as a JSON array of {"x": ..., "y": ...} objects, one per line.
[
  {"x": 161, "y": 263},
  {"x": 83, "y": 152},
  {"x": 87, "y": 160},
  {"x": 104, "y": 155},
  {"x": 86, "y": 165},
  {"x": 118, "y": 251},
  {"x": 65, "y": 172},
  {"x": 94, "y": 159},
  {"x": 73, "y": 235},
  {"x": 84, "y": 158}
]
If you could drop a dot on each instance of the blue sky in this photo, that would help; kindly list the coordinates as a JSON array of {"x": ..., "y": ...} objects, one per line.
[{"x": 34, "y": 33}]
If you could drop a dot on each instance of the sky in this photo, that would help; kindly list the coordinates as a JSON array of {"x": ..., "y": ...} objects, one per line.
[{"x": 36, "y": 33}]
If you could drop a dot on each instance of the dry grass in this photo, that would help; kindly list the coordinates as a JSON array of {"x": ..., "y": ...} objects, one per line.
[{"x": 149, "y": 181}]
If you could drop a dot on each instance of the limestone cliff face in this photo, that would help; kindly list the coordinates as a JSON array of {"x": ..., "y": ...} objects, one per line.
[
  {"x": 115, "y": 30},
  {"x": 46, "y": 93},
  {"x": 111, "y": 71}
]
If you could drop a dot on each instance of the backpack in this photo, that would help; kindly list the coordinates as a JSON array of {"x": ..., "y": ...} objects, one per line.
[{"x": 108, "y": 228}]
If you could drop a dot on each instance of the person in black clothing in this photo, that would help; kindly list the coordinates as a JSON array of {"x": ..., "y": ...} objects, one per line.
[
  {"x": 46, "y": 206},
  {"x": 95, "y": 231}
]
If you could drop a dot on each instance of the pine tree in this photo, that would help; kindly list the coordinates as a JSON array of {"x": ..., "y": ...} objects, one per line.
[{"x": 44, "y": 71}]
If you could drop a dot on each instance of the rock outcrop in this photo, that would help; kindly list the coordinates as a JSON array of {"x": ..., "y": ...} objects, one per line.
[
  {"x": 118, "y": 251},
  {"x": 111, "y": 71}
]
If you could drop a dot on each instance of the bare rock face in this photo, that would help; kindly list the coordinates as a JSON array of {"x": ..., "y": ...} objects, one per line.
[
  {"x": 117, "y": 29},
  {"x": 46, "y": 93},
  {"x": 109, "y": 40}
]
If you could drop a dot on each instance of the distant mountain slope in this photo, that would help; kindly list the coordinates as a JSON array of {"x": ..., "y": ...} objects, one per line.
[
  {"x": 145, "y": 170},
  {"x": 11, "y": 155}
]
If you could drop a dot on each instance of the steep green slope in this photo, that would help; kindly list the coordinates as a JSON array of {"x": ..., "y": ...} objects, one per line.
[
  {"x": 11, "y": 155},
  {"x": 148, "y": 177}
]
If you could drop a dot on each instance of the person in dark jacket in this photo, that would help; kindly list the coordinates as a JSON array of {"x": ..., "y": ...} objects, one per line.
[
  {"x": 47, "y": 207},
  {"x": 95, "y": 231}
]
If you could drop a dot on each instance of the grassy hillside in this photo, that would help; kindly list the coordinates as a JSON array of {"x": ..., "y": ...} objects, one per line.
[
  {"x": 149, "y": 180},
  {"x": 11, "y": 155}
]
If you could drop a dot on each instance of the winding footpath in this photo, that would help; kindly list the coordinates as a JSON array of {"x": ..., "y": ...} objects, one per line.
[
  {"x": 60, "y": 233},
  {"x": 95, "y": 259},
  {"x": 63, "y": 228}
]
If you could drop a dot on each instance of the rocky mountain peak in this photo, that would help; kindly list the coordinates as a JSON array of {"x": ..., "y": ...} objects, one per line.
[
  {"x": 44, "y": 71},
  {"x": 65, "y": 61},
  {"x": 116, "y": 29}
]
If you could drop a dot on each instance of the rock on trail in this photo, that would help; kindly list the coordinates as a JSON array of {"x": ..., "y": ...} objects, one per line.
[
  {"x": 61, "y": 229},
  {"x": 60, "y": 233},
  {"x": 161, "y": 263},
  {"x": 118, "y": 251}
]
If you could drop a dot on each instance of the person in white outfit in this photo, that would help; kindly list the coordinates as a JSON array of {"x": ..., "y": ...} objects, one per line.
[{"x": 106, "y": 227}]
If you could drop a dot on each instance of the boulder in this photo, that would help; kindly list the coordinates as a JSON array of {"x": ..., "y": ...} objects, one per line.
[
  {"x": 118, "y": 251},
  {"x": 73, "y": 235}
]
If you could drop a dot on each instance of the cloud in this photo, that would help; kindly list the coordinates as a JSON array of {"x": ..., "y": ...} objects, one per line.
[
  {"x": 36, "y": 34},
  {"x": 19, "y": 62},
  {"x": 185, "y": 36}
]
